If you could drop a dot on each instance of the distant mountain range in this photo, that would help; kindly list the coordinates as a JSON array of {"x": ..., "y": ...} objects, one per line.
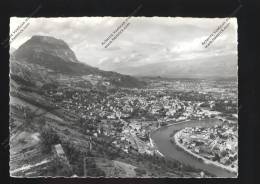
[
  {"x": 160, "y": 60},
  {"x": 57, "y": 58},
  {"x": 213, "y": 67}
]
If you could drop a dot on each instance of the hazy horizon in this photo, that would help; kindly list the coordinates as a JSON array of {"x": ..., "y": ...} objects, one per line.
[{"x": 150, "y": 46}]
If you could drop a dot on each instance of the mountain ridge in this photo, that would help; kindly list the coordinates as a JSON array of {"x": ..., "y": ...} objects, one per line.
[
  {"x": 55, "y": 55},
  {"x": 193, "y": 68}
]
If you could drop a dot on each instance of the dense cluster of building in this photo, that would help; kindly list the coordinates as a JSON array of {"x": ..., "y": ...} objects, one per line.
[
  {"x": 129, "y": 115},
  {"x": 218, "y": 143}
]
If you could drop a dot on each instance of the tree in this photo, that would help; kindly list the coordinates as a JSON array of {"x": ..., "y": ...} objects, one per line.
[
  {"x": 42, "y": 122},
  {"x": 28, "y": 116},
  {"x": 58, "y": 168},
  {"x": 48, "y": 138},
  {"x": 140, "y": 172}
]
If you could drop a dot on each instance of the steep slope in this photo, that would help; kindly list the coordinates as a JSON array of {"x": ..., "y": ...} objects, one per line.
[
  {"x": 11, "y": 50},
  {"x": 53, "y": 54},
  {"x": 54, "y": 57},
  {"x": 38, "y": 45}
]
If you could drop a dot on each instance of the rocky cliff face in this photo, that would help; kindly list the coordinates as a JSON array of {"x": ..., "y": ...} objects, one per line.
[
  {"x": 48, "y": 57},
  {"x": 39, "y": 46}
]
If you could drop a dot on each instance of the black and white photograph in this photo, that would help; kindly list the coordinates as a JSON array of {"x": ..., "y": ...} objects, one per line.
[{"x": 123, "y": 97}]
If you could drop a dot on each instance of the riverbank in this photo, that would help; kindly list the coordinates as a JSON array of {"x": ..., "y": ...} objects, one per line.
[
  {"x": 161, "y": 138},
  {"x": 153, "y": 143},
  {"x": 151, "y": 140},
  {"x": 154, "y": 146},
  {"x": 206, "y": 161}
]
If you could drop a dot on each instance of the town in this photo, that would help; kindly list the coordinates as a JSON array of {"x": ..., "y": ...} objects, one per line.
[
  {"x": 116, "y": 124},
  {"x": 130, "y": 115},
  {"x": 218, "y": 144}
]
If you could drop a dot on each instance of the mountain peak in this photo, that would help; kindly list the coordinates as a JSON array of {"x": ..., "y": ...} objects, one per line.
[
  {"x": 56, "y": 56},
  {"x": 49, "y": 40},
  {"x": 39, "y": 45}
]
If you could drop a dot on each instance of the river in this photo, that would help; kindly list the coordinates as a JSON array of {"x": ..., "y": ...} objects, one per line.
[{"x": 161, "y": 137}]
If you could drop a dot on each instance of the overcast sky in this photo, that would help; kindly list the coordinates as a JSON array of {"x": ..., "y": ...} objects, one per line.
[{"x": 146, "y": 41}]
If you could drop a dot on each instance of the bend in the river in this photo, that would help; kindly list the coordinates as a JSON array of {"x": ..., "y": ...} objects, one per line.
[{"x": 161, "y": 137}]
